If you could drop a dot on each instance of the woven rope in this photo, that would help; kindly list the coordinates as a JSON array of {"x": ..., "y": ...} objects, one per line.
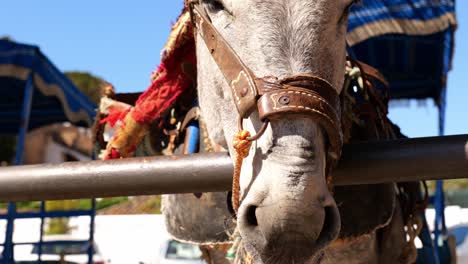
[{"x": 242, "y": 147}]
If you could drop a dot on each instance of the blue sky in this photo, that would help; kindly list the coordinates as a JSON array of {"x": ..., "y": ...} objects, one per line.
[{"x": 120, "y": 41}]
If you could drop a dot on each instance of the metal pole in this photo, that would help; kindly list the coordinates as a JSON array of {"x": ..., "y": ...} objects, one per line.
[
  {"x": 124, "y": 177},
  {"x": 403, "y": 160},
  {"x": 25, "y": 114},
  {"x": 440, "y": 229},
  {"x": 8, "y": 252},
  {"x": 41, "y": 234},
  {"x": 92, "y": 222},
  {"x": 430, "y": 254},
  {"x": 365, "y": 163}
]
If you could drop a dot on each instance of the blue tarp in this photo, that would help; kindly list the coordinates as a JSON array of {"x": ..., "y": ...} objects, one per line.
[
  {"x": 55, "y": 97},
  {"x": 410, "y": 41}
]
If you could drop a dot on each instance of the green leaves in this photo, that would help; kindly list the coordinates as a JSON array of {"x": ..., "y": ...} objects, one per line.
[{"x": 89, "y": 84}]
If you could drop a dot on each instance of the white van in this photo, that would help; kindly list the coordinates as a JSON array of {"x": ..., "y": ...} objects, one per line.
[{"x": 175, "y": 252}]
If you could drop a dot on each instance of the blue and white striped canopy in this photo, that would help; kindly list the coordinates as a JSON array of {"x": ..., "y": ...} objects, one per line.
[
  {"x": 372, "y": 18},
  {"x": 55, "y": 97},
  {"x": 396, "y": 37}
]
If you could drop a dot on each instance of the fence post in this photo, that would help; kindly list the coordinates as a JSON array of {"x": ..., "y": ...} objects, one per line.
[{"x": 8, "y": 250}]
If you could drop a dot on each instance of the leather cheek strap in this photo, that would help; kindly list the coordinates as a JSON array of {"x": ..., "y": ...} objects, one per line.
[
  {"x": 238, "y": 76},
  {"x": 309, "y": 103}
]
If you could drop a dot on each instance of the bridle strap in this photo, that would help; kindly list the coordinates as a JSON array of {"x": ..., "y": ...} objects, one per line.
[
  {"x": 236, "y": 73},
  {"x": 308, "y": 95}
]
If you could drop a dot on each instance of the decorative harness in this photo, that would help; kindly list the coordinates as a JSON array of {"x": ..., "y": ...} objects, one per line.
[
  {"x": 308, "y": 95},
  {"x": 303, "y": 94}
]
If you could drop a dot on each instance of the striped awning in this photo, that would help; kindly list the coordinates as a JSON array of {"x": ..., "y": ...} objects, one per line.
[
  {"x": 55, "y": 97},
  {"x": 372, "y": 18},
  {"x": 410, "y": 41}
]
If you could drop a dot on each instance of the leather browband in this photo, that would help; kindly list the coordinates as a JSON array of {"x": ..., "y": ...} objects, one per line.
[{"x": 300, "y": 94}]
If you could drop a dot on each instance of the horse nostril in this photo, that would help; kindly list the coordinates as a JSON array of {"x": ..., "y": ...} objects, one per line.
[{"x": 251, "y": 215}]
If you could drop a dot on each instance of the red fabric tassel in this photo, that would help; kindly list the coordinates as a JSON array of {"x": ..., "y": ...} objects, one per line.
[
  {"x": 113, "y": 154},
  {"x": 173, "y": 79},
  {"x": 114, "y": 116}
]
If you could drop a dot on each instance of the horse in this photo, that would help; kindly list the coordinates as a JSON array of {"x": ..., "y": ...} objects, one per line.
[
  {"x": 276, "y": 68},
  {"x": 287, "y": 213}
]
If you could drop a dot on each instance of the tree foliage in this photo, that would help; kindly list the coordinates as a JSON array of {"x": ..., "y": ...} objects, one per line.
[
  {"x": 89, "y": 84},
  {"x": 6, "y": 37}
]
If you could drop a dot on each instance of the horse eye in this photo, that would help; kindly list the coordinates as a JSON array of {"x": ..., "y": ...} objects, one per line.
[{"x": 215, "y": 5}]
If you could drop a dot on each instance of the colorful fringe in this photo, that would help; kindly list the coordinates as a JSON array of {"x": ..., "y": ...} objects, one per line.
[{"x": 175, "y": 74}]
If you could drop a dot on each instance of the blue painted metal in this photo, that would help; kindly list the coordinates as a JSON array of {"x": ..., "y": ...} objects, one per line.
[
  {"x": 8, "y": 247},
  {"x": 8, "y": 251},
  {"x": 42, "y": 214},
  {"x": 61, "y": 242},
  {"x": 91, "y": 231},
  {"x": 193, "y": 131},
  {"x": 25, "y": 115},
  {"x": 440, "y": 228},
  {"x": 192, "y": 135},
  {"x": 41, "y": 236},
  {"x": 428, "y": 253},
  {"x": 55, "y": 99},
  {"x": 50, "y": 214},
  {"x": 438, "y": 200}
]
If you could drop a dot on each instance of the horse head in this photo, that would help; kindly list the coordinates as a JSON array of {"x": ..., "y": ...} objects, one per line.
[{"x": 285, "y": 199}]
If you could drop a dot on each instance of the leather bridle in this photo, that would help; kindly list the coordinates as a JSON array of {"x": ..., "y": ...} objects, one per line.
[{"x": 308, "y": 95}]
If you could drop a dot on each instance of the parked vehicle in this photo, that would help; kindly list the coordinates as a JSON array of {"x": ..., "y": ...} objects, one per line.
[
  {"x": 175, "y": 252},
  {"x": 59, "y": 249}
]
